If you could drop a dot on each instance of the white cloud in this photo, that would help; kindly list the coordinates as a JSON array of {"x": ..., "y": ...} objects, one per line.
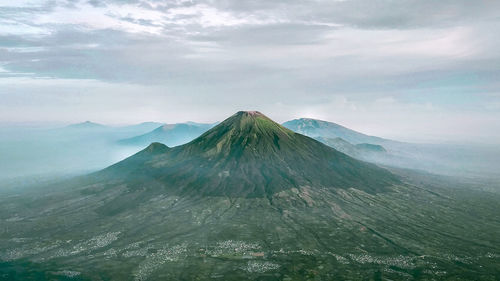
[
  {"x": 136, "y": 19},
  {"x": 19, "y": 3},
  {"x": 92, "y": 17},
  {"x": 207, "y": 16}
]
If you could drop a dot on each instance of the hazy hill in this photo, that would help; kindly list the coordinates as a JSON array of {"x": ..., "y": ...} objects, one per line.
[
  {"x": 364, "y": 151},
  {"x": 170, "y": 134},
  {"x": 88, "y": 128},
  {"x": 144, "y": 126},
  {"x": 87, "y": 125}
]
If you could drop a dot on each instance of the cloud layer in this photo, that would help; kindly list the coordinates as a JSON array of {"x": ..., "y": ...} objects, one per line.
[{"x": 412, "y": 69}]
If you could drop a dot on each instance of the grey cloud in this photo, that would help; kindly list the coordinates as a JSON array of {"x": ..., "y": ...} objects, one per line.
[
  {"x": 315, "y": 52},
  {"x": 272, "y": 34},
  {"x": 112, "y": 55},
  {"x": 357, "y": 13},
  {"x": 103, "y": 54},
  {"x": 376, "y": 13}
]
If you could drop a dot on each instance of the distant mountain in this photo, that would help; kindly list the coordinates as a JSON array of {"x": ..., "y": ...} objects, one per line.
[
  {"x": 142, "y": 127},
  {"x": 170, "y": 134},
  {"x": 318, "y": 128},
  {"x": 86, "y": 125},
  {"x": 248, "y": 200},
  {"x": 368, "y": 147},
  {"x": 136, "y": 128},
  {"x": 364, "y": 151},
  {"x": 101, "y": 132},
  {"x": 445, "y": 159}
]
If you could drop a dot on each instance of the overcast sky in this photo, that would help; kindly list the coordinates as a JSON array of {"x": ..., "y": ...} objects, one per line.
[{"x": 412, "y": 70}]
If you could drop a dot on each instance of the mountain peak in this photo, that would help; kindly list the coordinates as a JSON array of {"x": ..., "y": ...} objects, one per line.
[
  {"x": 248, "y": 116},
  {"x": 250, "y": 113},
  {"x": 89, "y": 123},
  {"x": 244, "y": 133},
  {"x": 86, "y": 125}
]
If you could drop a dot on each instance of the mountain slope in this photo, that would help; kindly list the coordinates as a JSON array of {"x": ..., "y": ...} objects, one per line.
[
  {"x": 249, "y": 155},
  {"x": 318, "y": 128},
  {"x": 106, "y": 231},
  {"x": 170, "y": 134}
]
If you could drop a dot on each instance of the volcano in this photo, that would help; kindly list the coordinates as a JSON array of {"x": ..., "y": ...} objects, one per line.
[{"x": 249, "y": 155}]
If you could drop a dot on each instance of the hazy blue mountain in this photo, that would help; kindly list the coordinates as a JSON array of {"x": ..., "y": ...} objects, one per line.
[
  {"x": 142, "y": 127},
  {"x": 364, "y": 151},
  {"x": 169, "y": 134},
  {"x": 318, "y": 128},
  {"x": 446, "y": 159},
  {"x": 87, "y": 125},
  {"x": 249, "y": 200},
  {"x": 104, "y": 131}
]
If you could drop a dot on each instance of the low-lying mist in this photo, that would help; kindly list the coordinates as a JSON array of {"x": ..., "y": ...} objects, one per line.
[{"x": 38, "y": 155}]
